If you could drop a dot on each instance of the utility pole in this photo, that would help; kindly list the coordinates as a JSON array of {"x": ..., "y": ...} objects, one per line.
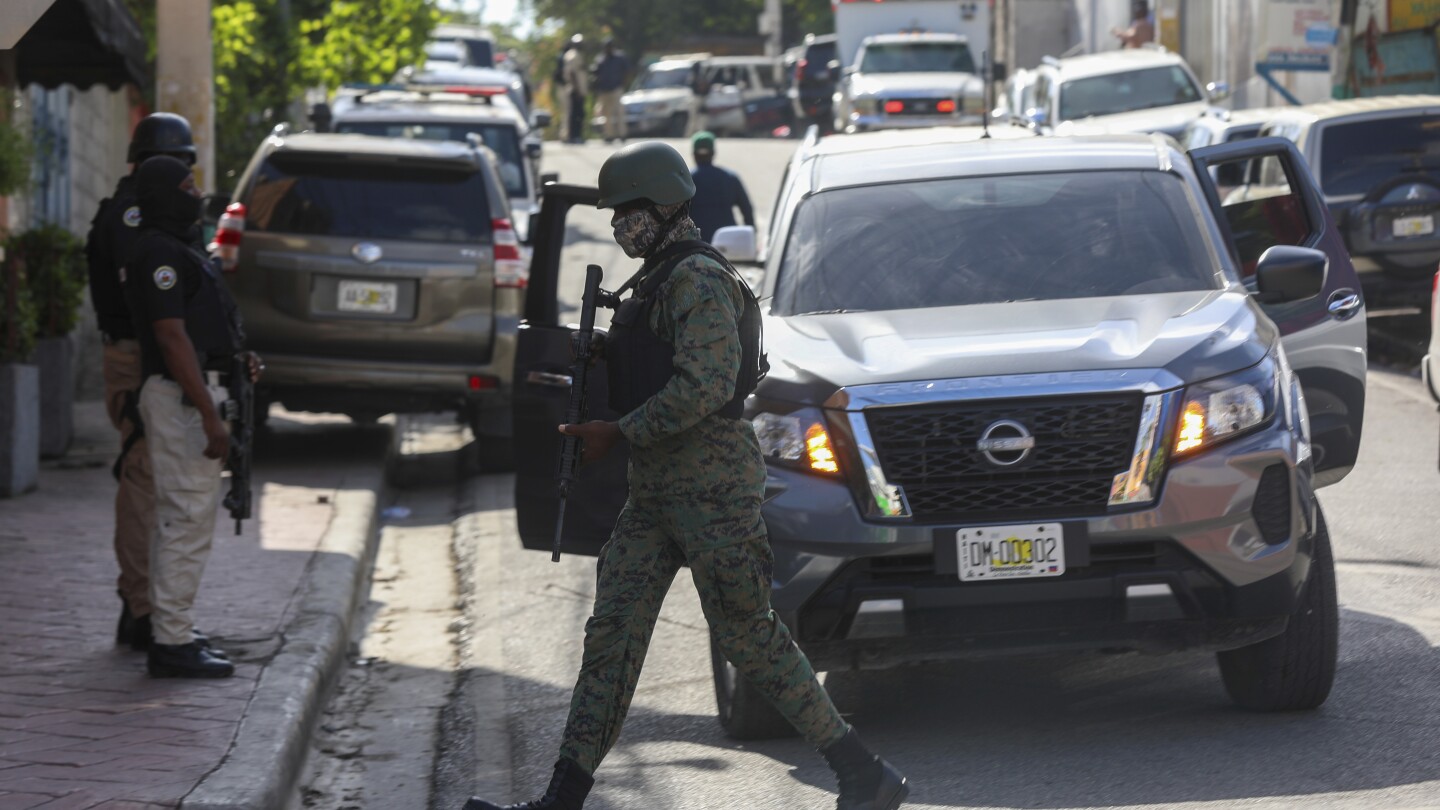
[
  {"x": 770, "y": 27},
  {"x": 185, "y": 76}
]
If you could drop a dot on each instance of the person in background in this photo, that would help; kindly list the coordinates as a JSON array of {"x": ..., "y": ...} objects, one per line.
[
  {"x": 610, "y": 71},
  {"x": 576, "y": 89},
  {"x": 1141, "y": 30},
  {"x": 718, "y": 192}
]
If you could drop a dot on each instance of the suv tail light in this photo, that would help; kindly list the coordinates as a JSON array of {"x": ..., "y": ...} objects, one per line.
[
  {"x": 510, "y": 269},
  {"x": 229, "y": 231},
  {"x": 800, "y": 69}
]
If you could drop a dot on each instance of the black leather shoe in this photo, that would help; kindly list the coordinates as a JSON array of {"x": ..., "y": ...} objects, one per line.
[
  {"x": 125, "y": 628},
  {"x": 568, "y": 789},
  {"x": 867, "y": 782},
  {"x": 142, "y": 635},
  {"x": 186, "y": 661}
]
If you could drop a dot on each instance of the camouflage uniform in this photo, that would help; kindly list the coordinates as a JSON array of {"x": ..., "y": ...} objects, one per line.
[{"x": 696, "y": 483}]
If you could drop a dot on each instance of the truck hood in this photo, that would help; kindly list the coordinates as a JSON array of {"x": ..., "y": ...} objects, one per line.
[
  {"x": 914, "y": 85},
  {"x": 1170, "y": 120},
  {"x": 1194, "y": 335}
]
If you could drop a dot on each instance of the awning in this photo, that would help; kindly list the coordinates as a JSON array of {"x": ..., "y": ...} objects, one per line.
[{"x": 83, "y": 42}]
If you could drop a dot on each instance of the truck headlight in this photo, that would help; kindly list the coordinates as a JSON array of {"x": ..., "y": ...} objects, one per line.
[
  {"x": 1227, "y": 407},
  {"x": 799, "y": 439}
]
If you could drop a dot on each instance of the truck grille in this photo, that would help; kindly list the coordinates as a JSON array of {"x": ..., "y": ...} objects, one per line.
[{"x": 1081, "y": 443}]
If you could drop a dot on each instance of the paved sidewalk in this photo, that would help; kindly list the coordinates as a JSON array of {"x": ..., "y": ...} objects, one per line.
[{"x": 81, "y": 725}]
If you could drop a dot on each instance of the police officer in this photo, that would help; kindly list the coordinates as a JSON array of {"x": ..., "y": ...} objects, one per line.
[
  {"x": 696, "y": 480},
  {"x": 189, "y": 331},
  {"x": 113, "y": 232}
]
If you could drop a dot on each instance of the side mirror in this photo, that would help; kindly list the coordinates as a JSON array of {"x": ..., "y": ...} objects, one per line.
[
  {"x": 736, "y": 243},
  {"x": 549, "y": 177},
  {"x": 1218, "y": 91},
  {"x": 533, "y": 150},
  {"x": 540, "y": 119},
  {"x": 1286, "y": 273}
]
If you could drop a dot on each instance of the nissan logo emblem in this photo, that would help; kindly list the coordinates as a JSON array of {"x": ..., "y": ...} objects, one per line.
[
  {"x": 367, "y": 252},
  {"x": 1005, "y": 443}
]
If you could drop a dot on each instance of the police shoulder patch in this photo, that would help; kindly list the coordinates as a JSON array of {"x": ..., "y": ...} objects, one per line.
[
  {"x": 132, "y": 216},
  {"x": 165, "y": 277}
]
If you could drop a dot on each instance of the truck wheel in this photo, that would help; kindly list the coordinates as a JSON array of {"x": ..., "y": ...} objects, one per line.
[
  {"x": 1295, "y": 669},
  {"x": 678, "y": 125},
  {"x": 744, "y": 713}
]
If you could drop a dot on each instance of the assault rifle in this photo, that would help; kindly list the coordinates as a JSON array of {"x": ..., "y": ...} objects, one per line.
[
  {"x": 582, "y": 353},
  {"x": 240, "y": 412}
]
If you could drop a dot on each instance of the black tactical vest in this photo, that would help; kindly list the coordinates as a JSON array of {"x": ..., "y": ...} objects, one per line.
[{"x": 640, "y": 363}]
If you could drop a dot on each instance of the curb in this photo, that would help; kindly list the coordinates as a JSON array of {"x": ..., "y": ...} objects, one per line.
[{"x": 260, "y": 770}]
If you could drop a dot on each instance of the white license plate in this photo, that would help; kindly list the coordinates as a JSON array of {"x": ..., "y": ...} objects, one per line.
[
  {"x": 1414, "y": 226},
  {"x": 1023, "y": 551},
  {"x": 368, "y": 296}
]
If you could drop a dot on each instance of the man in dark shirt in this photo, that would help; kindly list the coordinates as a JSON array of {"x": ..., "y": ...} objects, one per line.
[
  {"x": 609, "y": 73},
  {"x": 718, "y": 192}
]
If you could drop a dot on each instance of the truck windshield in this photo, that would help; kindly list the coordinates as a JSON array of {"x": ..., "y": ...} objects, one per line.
[
  {"x": 957, "y": 242},
  {"x": 1122, "y": 92},
  {"x": 917, "y": 57},
  {"x": 501, "y": 139},
  {"x": 657, "y": 79},
  {"x": 1357, "y": 157},
  {"x": 311, "y": 196}
]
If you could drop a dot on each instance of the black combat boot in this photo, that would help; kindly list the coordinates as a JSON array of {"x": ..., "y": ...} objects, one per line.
[
  {"x": 568, "y": 789},
  {"x": 142, "y": 635},
  {"x": 186, "y": 661},
  {"x": 867, "y": 782},
  {"x": 125, "y": 628}
]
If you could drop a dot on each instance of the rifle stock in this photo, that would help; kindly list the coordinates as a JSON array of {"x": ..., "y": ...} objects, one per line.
[
  {"x": 582, "y": 353},
  {"x": 240, "y": 412}
]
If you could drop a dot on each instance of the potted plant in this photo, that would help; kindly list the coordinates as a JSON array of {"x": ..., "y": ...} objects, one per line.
[
  {"x": 54, "y": 265},
  {"x": 19, "y": 381}
]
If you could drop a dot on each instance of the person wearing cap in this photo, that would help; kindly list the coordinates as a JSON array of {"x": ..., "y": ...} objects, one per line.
[
  {"x": 189, "y": 332},
  {"x": 718, "y": 192},
  {"x": 684, "y": 353},
  {"x": 575, "y": 90},
  {"x": 610, "y": 71},
  {"x": 113, "y": 232}
]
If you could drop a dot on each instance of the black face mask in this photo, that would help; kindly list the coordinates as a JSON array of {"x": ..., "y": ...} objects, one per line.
[{"x": 163, "y": 204}]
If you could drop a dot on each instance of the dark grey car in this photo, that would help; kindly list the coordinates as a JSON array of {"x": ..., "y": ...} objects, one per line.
[
  {"x": 381, "y": 275},
  {"x": 1031, "y": 395}
]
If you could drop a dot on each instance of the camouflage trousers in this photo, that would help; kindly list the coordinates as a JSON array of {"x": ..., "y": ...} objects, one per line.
[{"x": 633, "y": 575}]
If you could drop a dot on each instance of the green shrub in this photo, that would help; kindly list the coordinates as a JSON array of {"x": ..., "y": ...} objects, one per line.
[
  {"x": 15, "y": 348},
  {"x": 55, "y": 273}
]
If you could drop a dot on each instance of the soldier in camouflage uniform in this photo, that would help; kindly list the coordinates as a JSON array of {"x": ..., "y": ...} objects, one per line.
[{"x": 696, "y": 481}]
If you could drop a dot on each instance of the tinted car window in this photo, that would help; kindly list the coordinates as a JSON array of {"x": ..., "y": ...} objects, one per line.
[
  {"x": 501, "y": 139},
  {"x": 917, "y": 57},
  {"x": 479, "y": 52},
  {"x": 300, "y": 194},
  {"x": 1122, "y": 92},
  {"x": 820, "y": 54},
  {"x": 1355, "y": 158},
  {"x": 987, "y": 240},
  {"x": 656, "y": 79}
]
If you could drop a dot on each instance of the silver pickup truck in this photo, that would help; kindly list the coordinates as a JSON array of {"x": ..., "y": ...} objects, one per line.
[{"x": 909, "y": 80}]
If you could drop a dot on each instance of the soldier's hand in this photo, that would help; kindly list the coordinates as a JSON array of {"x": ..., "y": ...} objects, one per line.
[
  {"x": 255, "y": 364},
  {"x": 217, "y": 438},
  {"x": 598, "y": 437}
]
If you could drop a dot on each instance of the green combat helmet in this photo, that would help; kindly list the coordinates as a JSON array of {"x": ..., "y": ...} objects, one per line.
[{"x": 645, "y": 171}]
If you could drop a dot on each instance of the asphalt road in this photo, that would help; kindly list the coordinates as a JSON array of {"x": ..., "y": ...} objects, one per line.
[{"x": 1062, "y": 732}]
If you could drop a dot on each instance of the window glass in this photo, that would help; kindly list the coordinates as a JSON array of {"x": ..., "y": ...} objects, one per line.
[
  {"x": 1264, "y": 212},
  {"x": 987, "y": 240},
  {"x": 303, "y": 194},
  {"x": 501, "y": 138},
  {"x": 656, "y": 79},
  {"x": 1357, "y": 157},
  {"x": 1122, "y": 92},
  {"x": 917, "y": 57}
]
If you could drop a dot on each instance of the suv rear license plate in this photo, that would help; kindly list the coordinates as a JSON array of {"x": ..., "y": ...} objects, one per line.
[
  {"x": 1022, "y": 551},
  {"x": 1414, "y": 226},
  {"x": 368, "y": 296}
]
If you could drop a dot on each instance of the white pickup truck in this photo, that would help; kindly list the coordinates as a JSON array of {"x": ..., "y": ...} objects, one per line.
[{"x": 909, "y": 63}]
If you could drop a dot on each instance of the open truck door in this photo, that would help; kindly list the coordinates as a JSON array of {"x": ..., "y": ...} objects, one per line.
[
  {"x": 1324, "y": 336},
  {"x": 542, "y": 391}
]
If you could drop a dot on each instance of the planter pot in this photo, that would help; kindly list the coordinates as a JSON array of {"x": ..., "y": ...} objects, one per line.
[
  {"x": 19, "y": 428},
  {"x": 56, "y": 359}
]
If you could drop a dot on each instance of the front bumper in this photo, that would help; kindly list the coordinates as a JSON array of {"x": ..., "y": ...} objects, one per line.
[{"x": 1192, "y": 571}]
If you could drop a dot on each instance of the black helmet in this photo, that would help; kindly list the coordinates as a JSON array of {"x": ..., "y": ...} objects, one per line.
[{"x": 161, "y": 134}]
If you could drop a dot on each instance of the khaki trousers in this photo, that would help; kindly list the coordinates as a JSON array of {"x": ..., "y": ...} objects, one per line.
[
  {"x": 607, "y": 103},
  {"x": 135, "y": 497},
  {"x": 187, "y": 492}
]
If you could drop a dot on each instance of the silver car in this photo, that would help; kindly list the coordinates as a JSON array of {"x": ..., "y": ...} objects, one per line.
[{"x": 1035, "y": 394}]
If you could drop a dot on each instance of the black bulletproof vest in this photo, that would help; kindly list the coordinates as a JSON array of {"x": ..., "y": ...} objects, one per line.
[
  {"x": 641, "y": 363},
  {"x": 212, "y": 318}
]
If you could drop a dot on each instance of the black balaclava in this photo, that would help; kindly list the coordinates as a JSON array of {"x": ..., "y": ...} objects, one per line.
[{"x": 163, "y": 204}]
